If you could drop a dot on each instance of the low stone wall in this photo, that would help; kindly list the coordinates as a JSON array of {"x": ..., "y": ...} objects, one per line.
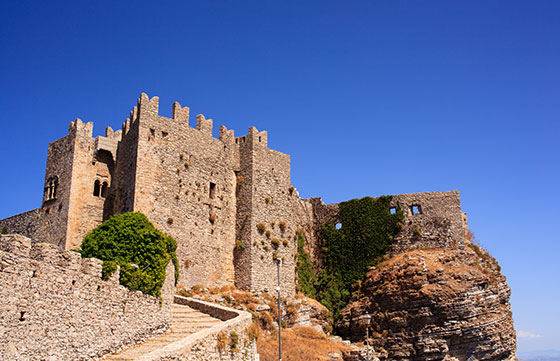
[
  {"x": 203, "y": 345},
  {"x": 54, "y": 305}
]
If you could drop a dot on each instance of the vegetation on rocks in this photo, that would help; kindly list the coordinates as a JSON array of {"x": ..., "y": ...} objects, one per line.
[{"x": 132, "y": 242}]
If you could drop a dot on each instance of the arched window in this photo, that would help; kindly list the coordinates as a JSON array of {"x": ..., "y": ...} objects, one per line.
[
  {"x": 50, "y": 188},
  {"x": 96, "y": 188},
  {"x": 104, "y": 190}
]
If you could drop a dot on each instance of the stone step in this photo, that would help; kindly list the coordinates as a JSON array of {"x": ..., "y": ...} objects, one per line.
[{"x": 185, "y": 321}]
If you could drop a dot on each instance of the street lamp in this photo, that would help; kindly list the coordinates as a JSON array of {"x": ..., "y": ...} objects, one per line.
[
  {"x": 279, "y": 262},
  {"x": 367, "y": 317}
]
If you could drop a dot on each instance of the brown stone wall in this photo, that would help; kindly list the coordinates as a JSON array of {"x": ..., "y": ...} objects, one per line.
[
  {"x": 440, "y": 224},
  {"x": 26, "y": 223},
  {"x": 185, "y": 184},
  {"x": 267, "y": 190},
  {"x": 54, "y": 305},
  {"x": 92, "y": 161}
]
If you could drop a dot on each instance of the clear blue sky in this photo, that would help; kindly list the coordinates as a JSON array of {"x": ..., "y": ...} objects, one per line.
[{"x": 368, "y": 97}]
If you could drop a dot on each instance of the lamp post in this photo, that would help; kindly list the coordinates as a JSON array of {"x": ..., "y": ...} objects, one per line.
[
  {"x": 367, "y": 317},
  {"x": 279, "y": 262}
]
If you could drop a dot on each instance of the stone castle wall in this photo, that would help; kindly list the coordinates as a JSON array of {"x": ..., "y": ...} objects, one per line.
[
  {"x": 212, "y": 195},
  {"x": 268, "y": 229},
  {"x": 185, "y": 184},
  {"x": 438, "y": 222},
  {"x": 54, "y": 305}
]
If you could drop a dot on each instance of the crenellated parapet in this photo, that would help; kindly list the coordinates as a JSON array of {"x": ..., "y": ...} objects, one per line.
[
  {"x": 226, "y": 135},
  {"x": 180, "y": 114},
  {"x": 204, "y": 125},
  {"x": 77, "y": 128}
]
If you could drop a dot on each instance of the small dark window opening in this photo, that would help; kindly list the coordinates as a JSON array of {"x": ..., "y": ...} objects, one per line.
[
  {"x": 416, "y": 209},
  {"x": 236, "y": 141},
  {"x": 153, "y": 131},
  {"x": 212, "y": 190},
  {"x": 259, "y": 139},
  {"x": 21, "y": 314},
  {"x": 164, "y": 134},
  {"x": 104, "y": 189},
  {"x": 393, "y": 210},
  {"x": 96, "y": 188}
]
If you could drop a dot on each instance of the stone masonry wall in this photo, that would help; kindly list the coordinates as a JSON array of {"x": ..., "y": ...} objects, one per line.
[
  {"x": 92, "y": 162},
  {"x": 26, "y": 224},
  {"x": 54, "y": 305},
  {"x": 185, "y": 184},
  {"x": 270, "y": 229},
  {"x": 440, "y": 223}
]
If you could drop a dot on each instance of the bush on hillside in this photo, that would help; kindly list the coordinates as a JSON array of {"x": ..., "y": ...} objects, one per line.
[{"x": 131, "y": 241}]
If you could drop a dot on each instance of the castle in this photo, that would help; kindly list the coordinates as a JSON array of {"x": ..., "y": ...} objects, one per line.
[{"x": 228, "y": 202}]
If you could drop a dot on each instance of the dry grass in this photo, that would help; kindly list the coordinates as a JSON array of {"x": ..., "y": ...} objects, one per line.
[{"x": 298, "y": 343}]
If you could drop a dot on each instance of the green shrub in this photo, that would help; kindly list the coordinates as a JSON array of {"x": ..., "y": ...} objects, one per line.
[
  {"x": 367, "y": 230},
  {"x": 275, "y": 242},
  {"x": 261, "y": 228},
  {"x": 108, "y": 268},
  {"x": 131, "y": 241},
  {"x": 4, "y": 230}
]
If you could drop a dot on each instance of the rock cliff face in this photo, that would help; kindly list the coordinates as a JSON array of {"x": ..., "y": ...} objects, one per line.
[{"x": 435, "y": 305}]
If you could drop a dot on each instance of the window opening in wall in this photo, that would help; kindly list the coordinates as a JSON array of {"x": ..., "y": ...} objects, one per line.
[
  {"x": 393, "y": 210},
  {"x": 153, "y": 131},
  {"x": 164, "y": 134},
  {"x": 236, "y": 141},
  {"x": 259, "y": 139},
  {"x": 338, "y": 225},
  {"x": 96, "y": 188},
  {"x": 212, "y": 190},
  {"x": 50, "y": 188},
  {"x": 415, "y": 209},
  {"x": 104, "y": 189}
]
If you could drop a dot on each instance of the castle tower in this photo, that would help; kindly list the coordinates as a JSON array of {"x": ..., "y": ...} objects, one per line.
[
  {"x": 77, "y": 182},
  {"x": 265, "y": 224},
  {"x": 183, "y": 180}
]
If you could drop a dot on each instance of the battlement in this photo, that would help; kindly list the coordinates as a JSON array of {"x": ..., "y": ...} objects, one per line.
[
  {"x": 253, "y": 137},
  {"x": 77, "y": 128},
  {"x": 149, "y": 108}
]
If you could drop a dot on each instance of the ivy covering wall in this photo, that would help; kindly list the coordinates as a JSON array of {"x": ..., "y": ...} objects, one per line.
[{"x": 364, "y": 237}]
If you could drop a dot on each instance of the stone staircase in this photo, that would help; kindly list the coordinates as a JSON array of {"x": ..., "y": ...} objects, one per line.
[{"x": 185, "y": 321}]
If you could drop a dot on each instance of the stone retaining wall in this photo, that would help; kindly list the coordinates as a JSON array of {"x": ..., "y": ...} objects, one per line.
[{"x": 54, "y": 305}]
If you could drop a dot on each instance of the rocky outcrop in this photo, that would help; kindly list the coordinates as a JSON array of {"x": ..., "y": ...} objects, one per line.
[{"x": 435, "y": 305}]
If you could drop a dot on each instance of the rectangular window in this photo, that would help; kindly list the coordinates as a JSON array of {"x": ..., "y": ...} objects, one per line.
[
  {"x": 212, "y": 190},
  {"x": 393, "y": 210},
  {"x": 415, "y": 209}
]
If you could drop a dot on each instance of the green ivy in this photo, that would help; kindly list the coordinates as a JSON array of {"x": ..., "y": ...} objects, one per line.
[
  {"x": 131, "y": 241},
  {"x": 366, "y": 233},
  {"x": 305, "y": 276}
]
